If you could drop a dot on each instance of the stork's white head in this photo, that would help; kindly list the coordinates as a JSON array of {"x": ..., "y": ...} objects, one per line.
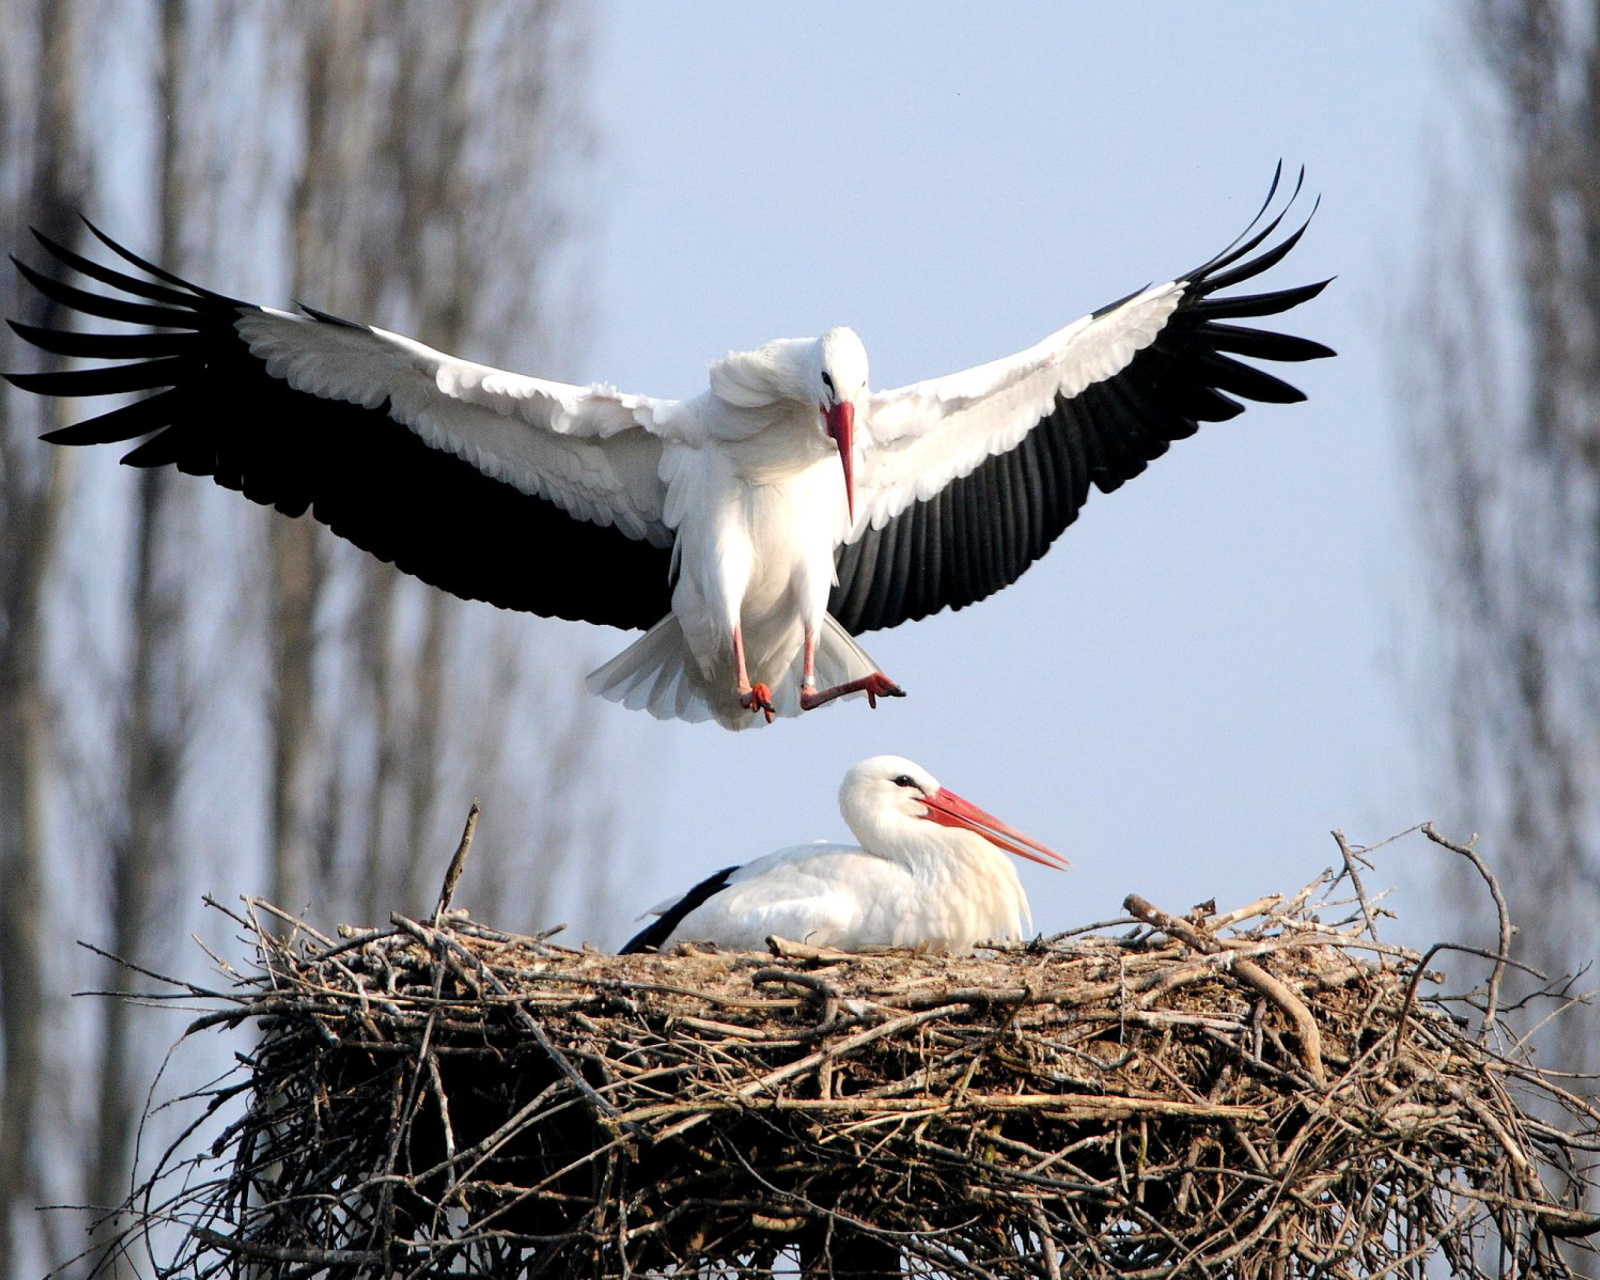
[
  {"x": 839, "y": 382},
  {"x": 841, "y": 366},
  {"x": 891, "y": 802}
]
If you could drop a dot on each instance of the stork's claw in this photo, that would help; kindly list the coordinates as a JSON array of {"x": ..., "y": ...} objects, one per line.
[
  {"x": 878, "y": 685},
  {"x": 759, "y": 698}
]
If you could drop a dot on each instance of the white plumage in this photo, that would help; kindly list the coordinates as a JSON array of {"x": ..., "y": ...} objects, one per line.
[
  {"x": 928, "y": 873},
  {"x": 753, "y": 529}
]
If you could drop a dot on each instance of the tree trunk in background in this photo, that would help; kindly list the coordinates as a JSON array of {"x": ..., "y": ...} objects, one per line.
[
  {"x": 1509, "y": 457},
  {"x": 329, "y": 58},
  {"x": 142, "y": 855},
  {"x": 45, "y": 191},
  {"x": 295, "y": 551},
  {"x": 427, "y": 745}
]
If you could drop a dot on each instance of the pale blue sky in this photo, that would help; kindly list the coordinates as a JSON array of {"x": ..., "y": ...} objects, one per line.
[{"x": 1210, "y": 669}]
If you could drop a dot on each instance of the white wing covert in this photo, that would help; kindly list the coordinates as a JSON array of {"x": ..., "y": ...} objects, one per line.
[{"x": 587, "y": 449}]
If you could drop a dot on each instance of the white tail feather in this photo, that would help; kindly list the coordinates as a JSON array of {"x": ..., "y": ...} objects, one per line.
[{"x": 658, "y": 674}]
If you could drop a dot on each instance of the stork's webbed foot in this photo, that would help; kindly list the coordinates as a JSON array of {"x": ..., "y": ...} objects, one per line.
[
  {"x": 758, "y": 698},
  {"x": 875, "y": 686}
]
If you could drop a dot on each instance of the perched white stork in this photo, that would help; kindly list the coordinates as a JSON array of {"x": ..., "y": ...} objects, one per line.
[
  {"x": 725, "y": 523},
  {"x": 925, "y": 875}
]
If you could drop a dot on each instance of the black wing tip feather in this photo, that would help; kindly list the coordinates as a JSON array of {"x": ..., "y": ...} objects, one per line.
[
  {"x": 184, "y": 296},
  {"x": 1255, "y": 232},
  {"x": 328, "y": 318},
  {"x": 1256, "y": 305},
  {"x": 139, "y": 362},
  {"x": 1125, "y": 298},
  {"x": 183, "y": 293},
  {"x": 1233, "y": 266},
  {"x": 653, "y": 935},
  {"x": 159, "y": 272},
  {"x": 181, "y": 315},
  {"x": 1213, "y": 277}
]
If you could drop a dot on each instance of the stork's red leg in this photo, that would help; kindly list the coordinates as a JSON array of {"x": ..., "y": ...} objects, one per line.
[
  {"x": 808, "y": 680},
  {"x": 875, "y": 686},
  {"x": 752, "y": 697}
]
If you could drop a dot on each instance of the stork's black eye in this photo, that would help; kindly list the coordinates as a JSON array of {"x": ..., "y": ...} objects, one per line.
[
  {"x": 906, "y": 780},
  {"x": 827, "y": 379}
]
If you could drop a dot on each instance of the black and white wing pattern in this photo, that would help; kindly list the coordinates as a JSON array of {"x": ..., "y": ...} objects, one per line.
[
  {"x": 529, "y": 494},
  {"x": 969, "y": 478},
  {"x": 670, "y": 914}
]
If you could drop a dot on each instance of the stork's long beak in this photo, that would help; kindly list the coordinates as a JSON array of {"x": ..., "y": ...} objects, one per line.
[
  {"x": 950, "y": 810},
  {"x": 841, "y": 426}
]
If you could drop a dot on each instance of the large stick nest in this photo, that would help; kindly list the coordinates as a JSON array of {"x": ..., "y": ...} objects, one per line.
[{"x": 1252, "y": 1093}]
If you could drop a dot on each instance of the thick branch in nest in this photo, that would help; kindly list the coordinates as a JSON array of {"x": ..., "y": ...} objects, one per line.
[{"x": 1252, "y": 1094}]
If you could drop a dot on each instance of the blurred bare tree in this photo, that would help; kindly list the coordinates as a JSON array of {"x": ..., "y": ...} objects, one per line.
[
  {"x": 1506, "y": 405},
  {"x": 142, "y": 841},
  {"x": 43, "y": 181},
  {"x": 415, "y": 137},
  {"x": 405, "y": 163}
]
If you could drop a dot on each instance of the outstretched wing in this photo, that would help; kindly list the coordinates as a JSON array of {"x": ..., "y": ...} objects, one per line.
[
  {"x": 530, "y": 494},
  {"x": 968, "y": 479}
]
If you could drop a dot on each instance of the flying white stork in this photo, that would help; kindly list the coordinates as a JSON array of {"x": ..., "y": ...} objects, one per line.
[
  {"x": 925, "y": 875},
  {"x": 725, "y": 523}
]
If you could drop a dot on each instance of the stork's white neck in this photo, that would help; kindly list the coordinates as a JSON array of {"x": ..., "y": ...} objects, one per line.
[{"x": 966, "y": 890}]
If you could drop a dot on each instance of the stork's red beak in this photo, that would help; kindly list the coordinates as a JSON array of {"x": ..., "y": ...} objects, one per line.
[
  {"x": 841, "y": 426},
  {"x": 950, "y": 810}
]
